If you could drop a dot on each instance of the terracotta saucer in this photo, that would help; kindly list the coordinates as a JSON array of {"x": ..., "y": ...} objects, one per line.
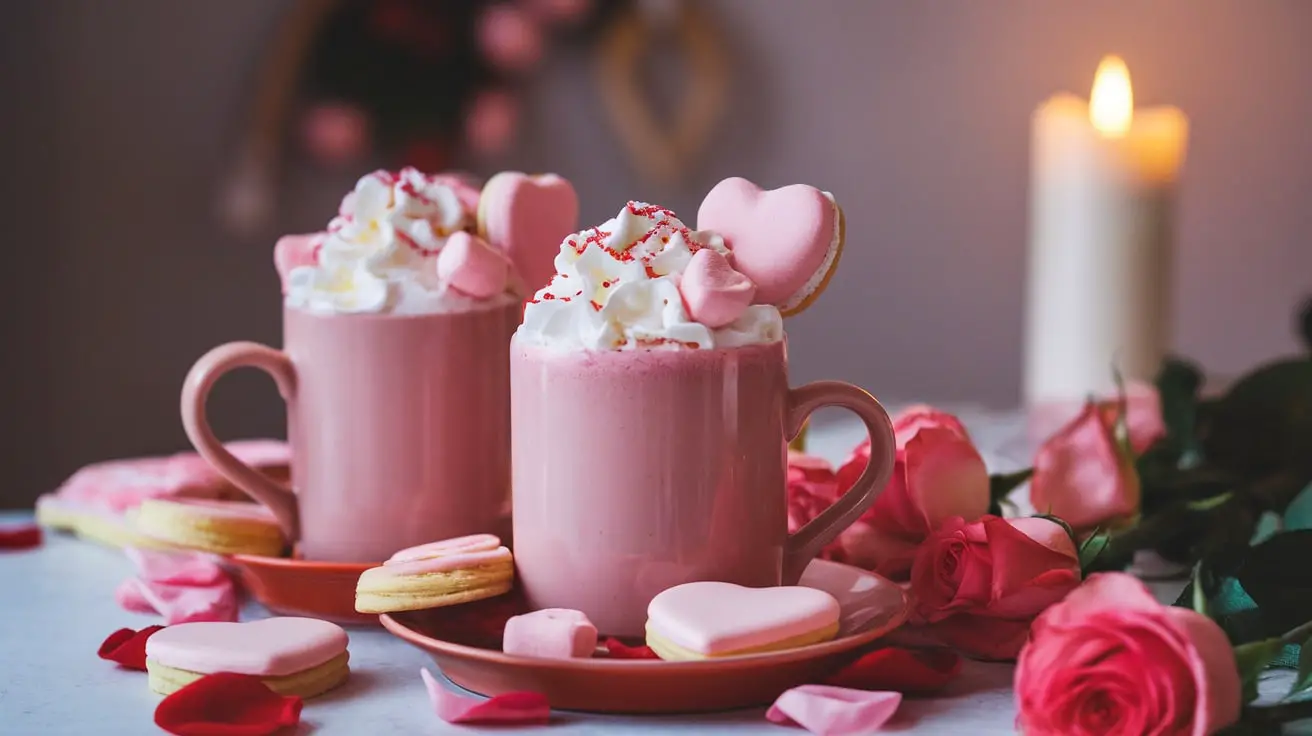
[
  {"x": 296, "y": 587},
  {"x": 872, "y": 607}
]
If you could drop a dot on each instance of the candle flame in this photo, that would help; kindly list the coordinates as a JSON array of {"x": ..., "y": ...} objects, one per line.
[{"x": 1111, "y": 107}]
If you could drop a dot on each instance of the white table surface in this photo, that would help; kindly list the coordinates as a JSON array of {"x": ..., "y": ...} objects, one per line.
[{"x": 57, "y": 605}]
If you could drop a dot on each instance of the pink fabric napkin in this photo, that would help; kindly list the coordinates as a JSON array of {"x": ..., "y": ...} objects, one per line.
[
  {"x": 180, "y": 586},
  {"x": 834, "y": 711},
  {"x": 505, "y": 709}
]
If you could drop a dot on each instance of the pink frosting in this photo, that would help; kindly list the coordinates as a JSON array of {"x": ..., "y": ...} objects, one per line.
[
  {"x": 118, "y": 485},
  {"x": 559, "y": 633},
  {"x": 711, "y": 617},
  {"x": 473, "y": 267},
  {"x": 444, "y": 556},
  {"x": 271, "y": 647},
  {"x": 713, "y": 292}
]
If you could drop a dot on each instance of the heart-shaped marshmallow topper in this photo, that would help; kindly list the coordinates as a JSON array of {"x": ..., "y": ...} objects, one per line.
[
  {"x": 713, "y": 292},
  {"x": 527, "y": 217},
  {"x": 471, "y": 266},
  {"x": 712, "y": 618},
  {"x": 271, "y": 647},
  {"x": 787, "y": 240}
]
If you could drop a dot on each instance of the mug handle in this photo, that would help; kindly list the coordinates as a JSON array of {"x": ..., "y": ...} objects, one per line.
[
  {"x": 804, "y": 544},
  {"x": 196, "y": 392}
]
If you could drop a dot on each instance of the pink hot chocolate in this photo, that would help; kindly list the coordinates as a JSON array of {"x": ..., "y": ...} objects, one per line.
[{"x": 559, "y": 633}]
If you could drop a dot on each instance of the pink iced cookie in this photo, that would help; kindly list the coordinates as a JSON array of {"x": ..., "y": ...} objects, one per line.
[
  {"x": 559, "y": 633},
  {"x": 293, "y": 251},
  {"x": 713, "y": 293},
  {"x": 437, "y": 574},
  {"x": 294, "y": 656},
  {"x": 787, "y": 241},
  {"x": 710, "y": 619},
  {"x": 527, "y": 217},
  {"x": 473, "y": 267}
]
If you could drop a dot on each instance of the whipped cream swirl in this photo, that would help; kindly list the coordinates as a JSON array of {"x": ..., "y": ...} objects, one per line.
[
  {"x": 617, "y": 288},
  {"x": 379, "y": 253}
]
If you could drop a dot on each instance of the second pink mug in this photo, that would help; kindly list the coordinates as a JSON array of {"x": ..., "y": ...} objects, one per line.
[
  {"x": 398, "y": 426},
  {"x": 635, "y": 471}
]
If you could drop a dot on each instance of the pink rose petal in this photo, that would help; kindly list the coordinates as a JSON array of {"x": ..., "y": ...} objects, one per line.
[
  {"x": 179, "y": 603},
  {"x": 507, "y": 708},
  {"x": 834, "y": 711},
  {"x": 177, "y": 568}
]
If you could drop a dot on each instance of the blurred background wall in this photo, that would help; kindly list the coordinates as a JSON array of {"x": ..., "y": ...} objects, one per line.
[{"x": 119, "y": 119}]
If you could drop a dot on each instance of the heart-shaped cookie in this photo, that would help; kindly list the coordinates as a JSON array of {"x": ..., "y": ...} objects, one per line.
[
  {"x": 527, "y": 217},
  {"x": 271, "y": 647},
  {"x": 472, "y": 267},
  {"x": 713, "y": 293},
  {"x": 787, "y": 240},
  {"x": 711, "y": 619}
]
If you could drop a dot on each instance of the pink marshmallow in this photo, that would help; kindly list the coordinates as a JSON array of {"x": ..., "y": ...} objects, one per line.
[
  {"x": 559, "y": 633},
  {"x": 713, "y": 292},
  {"x": 473, "y": 267},
  {"x": 293, "y": 251}
]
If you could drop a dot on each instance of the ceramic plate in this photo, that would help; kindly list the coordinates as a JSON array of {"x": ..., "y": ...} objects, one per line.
[
  {"x": 295, "y": 587},
  {"x": 469, "y": 654}
]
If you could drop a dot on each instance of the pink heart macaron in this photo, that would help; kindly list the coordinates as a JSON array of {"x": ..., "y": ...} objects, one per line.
[
  {"x": 787, "y": 240},
  {"x": 710, "y": 619},
  {"x": 473, "y": 267},
  {"x": 713, "y": 292},
  {"x": 527, "y": 217}
]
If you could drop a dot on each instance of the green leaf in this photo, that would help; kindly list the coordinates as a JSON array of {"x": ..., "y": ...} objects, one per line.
[
  {"x": 1092, "y": 547},
  {"x": 1260, "y": 427},
  {"x": 1003, "y": 484},
  {"x": 1304, "y": 680},
  {"x": 1178, "y": 384},
  {"x": 1200, "y": 594},
  {"x": 1207, "y": 504},
  {"x": 1277, "y": 576},
  {"x": 1251, "y": 659}
]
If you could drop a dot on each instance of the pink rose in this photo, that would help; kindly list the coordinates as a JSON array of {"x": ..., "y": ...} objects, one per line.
[
  {"x": 939, "y": 475},
  {"x": 1084, "y": 476},
  {"x": 978, "y": 585},
  {"x": 1110, "y": 658}
]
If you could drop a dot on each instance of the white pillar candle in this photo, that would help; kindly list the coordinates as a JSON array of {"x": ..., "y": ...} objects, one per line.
[{"x": 1102, "y": 193}]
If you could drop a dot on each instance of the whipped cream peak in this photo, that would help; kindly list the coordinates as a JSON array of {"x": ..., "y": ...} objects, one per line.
[
  {"x": 379, "y": 253},
  {"x": 617, "y": 287}
]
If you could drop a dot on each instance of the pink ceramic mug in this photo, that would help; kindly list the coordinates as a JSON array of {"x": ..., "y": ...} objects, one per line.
[
  {"x": 398, "y": 425},
  {"x": 634, "y": 471}
]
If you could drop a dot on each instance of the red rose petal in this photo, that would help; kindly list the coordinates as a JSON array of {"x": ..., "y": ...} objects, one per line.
[
  {"x": 908, "y": 671},
  {"x": 619, "y": 650},
  {"x": 127, "y": 647},
  {"x": 506, "y": 708},
  {"x": 23, "y": 536},
  {"x": 227, "y": 704}
]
